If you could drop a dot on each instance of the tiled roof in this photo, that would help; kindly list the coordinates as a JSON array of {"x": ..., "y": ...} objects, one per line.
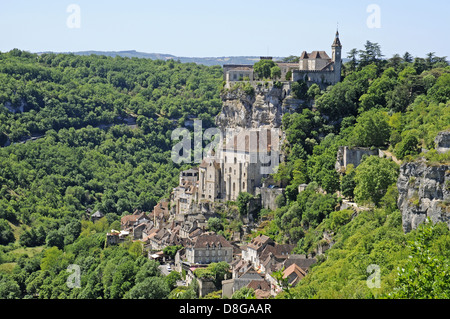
[
  {"x": 162, "y": 208},
  {"x": 262, "y": 294},
  {"x": 277, "y": 250},
  {"x": 259, "y": 284},
  {"x": 208, "y": 239},
  {"x": 259, "y": 242},
  {"x": 302, "y": 262},
  {"x": 296, "y": 270},
  {"x": 319, "y": 55},
  {"x": 337, "y": 42},
  {"x": 208, "y": 161}
]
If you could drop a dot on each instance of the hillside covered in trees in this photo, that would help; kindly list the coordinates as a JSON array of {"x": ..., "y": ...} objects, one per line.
[
  {"x": 398, "y": 104},
  {"x": 79, "y": 163}
]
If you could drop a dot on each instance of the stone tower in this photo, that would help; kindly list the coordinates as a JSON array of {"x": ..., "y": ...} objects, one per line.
[{"x": 336, "y": 49}]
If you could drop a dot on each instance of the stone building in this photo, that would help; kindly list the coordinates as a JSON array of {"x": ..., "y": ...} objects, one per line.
[
  {"x": 314, "y": 67},
  {"x": 237, "y": 72},
  {"x": 186, "y": 192},
  {"x": 128, "y": 222},
  {"x": 253, "y": 250},
  {"x": 245, "y": 159},
  {"x": 210, "y": 175},
  {"x": 208, "y": 248},
  {"x": 354, "y": 155},
  {"x": 317, "y": 67}
]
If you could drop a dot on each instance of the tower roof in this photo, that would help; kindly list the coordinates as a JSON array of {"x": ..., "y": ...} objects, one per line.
[{"x": 337, "y": 42}]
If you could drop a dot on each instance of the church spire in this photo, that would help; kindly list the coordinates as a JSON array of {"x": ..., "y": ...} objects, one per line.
[{"x": 337, "y": 42}]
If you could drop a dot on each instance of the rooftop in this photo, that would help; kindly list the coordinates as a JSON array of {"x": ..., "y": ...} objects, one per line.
[{"x": 209, "y": 239}]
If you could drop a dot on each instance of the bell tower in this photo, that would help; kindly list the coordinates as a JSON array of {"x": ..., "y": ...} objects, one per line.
[{"x": 336, "y": 50}]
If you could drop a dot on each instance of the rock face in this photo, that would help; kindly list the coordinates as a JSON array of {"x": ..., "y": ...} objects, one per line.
[
  {"x": 264, "y": 109},
  {"x": 16, "y": 109},
  {"x": 442, "y": 142},
  {"x": 424, "y": 191}
]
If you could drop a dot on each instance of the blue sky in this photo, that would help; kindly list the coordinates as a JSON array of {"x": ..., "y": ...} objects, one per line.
[{"x": 204, "y": 28}]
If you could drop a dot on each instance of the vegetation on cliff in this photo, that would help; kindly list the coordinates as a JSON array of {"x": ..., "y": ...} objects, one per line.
[{"x": 398, "y": 104}]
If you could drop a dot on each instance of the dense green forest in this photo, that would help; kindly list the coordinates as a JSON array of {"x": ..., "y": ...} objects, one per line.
[
  {"x": 62, "y": 91},
  {"x": 398, "y": 104},
  {"x": 47, "y": 184}
]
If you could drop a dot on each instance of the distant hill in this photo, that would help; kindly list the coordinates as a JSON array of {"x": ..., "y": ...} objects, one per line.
[{"x": 209, "y": 61}]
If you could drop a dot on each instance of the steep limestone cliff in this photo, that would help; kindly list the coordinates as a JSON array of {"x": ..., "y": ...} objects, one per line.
[
  {"x": 263, "y": 109},
  {"x": 424, "y": 191}
]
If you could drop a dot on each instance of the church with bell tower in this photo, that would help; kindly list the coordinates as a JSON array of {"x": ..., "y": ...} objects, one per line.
[{"x": 317, "y": 67}]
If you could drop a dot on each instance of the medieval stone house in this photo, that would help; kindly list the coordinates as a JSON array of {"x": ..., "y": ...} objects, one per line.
[{"x": 208, "y": 248}]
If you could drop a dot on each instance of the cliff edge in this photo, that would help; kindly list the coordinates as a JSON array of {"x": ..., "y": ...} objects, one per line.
[{"x": 424, "y": 191}]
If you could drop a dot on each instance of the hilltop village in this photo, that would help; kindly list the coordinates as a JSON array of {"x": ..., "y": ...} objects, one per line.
[{"x": 242, "y": 163}]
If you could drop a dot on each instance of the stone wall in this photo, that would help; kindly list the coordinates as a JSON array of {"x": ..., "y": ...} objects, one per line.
[
  {"x": 268, "y": 196},
  {"x": 321, "y": 78},
  {"x": 205, "y": 287},
  {"x": 346, "y": 156}
]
